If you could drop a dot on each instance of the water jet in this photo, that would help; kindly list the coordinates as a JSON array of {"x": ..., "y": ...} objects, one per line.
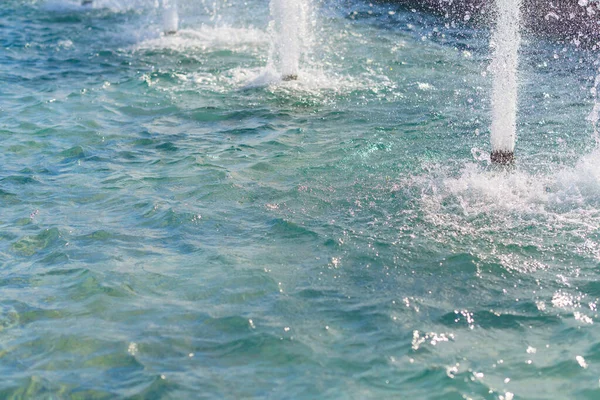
[
  {"x": 506, "y": 40},
  {"x": 289, "y": 35},
  {"x": 170, "y": 19}
]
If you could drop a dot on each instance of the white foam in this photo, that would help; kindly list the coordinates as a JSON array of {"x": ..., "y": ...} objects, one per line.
[
  {"x": 317, "y": 83},
  {"x": 312, "y": 83},
  {"x": 65, "y": 44},
  {"x": 580, "y": 185},
  {"x": 480, "y": 200},
  {"x": 208, "y": 37}
]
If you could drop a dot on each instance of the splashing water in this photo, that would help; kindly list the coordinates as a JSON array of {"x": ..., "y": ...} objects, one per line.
[
  {"x": 500, "y": 206},
  {"x": 505, "y": 42},
  {"x": 170, "y": 18},
  {"x": 291, "y": 35},
  {"x": 594, "y": 115}
]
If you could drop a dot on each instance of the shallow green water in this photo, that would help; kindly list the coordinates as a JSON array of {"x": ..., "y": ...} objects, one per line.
[{"x": 175, "y": 223}]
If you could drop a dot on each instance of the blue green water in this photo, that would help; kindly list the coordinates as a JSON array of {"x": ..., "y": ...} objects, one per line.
[{"x": 176, "y": 223}]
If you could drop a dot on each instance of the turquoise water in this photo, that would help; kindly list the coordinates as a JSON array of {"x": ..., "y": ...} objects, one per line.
[{"x": 176, "y": 223}]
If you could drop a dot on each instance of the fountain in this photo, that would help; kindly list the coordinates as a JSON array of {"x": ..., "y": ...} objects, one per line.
[
  {"x": 289, "y": 19},
  {"x": 505, "y": 41},
  {"x": 170, "y": 18}
]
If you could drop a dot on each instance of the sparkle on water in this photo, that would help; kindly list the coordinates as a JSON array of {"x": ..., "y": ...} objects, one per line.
[{"x": 178, "y": 222}]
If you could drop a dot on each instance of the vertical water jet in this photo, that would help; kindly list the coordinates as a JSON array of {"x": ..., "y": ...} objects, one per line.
[
  {"x": 289, "y": 28},
  {"x": 506, "y": 41},
  {"x": 170, "y": 18}
]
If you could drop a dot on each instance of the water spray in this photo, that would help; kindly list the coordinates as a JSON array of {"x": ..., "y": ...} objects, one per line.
[
  {"x": 506, "y": 41},
  {"x": 170, "y": 18},
  {"x": 290, "y": 35}
]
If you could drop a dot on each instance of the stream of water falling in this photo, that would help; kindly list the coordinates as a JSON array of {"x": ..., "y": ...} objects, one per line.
[{"x": 506, "y": 41}]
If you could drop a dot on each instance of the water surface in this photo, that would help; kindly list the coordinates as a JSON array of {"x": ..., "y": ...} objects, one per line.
[{"x": 177, "y": 223}]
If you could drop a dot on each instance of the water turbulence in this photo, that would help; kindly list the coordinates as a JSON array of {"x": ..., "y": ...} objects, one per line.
[
  {"x": 290, "y": 34},
  {"x": 506, "y": 40}
]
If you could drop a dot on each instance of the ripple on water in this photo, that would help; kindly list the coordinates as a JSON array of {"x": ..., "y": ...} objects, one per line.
[
  {"x": 224, "y": 226},
  {"x": 8, "y": 198},
  {"x": 284, "y": 229},
  {"x": 79, "y": 355},
  {"x": 72, "y": 154},
  {"x": 9, "y": 317},
  {"x": 30, "y": 245},
  {"x": 19, "y": 180}
]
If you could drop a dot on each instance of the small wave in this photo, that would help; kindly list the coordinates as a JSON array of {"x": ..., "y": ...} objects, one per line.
[
  {"x": 30, "y": 245},
  {"x": 62, "y": 6},
  {"x": 9, "y": 317}
]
